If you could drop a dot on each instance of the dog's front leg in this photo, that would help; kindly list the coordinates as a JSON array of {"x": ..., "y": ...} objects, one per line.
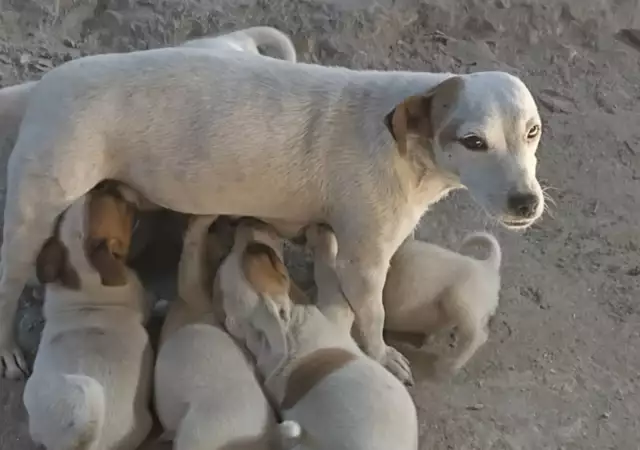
[{"x": 362, "y": 279}]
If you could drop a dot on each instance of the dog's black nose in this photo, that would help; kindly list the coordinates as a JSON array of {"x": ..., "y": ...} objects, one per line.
[{"x": 523, "y": 205}]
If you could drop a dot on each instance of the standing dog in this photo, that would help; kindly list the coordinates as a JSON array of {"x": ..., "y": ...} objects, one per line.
[
  {"x": 204, "y": 132},
  {"x": 332, "y": 396},
  {"x": 430, "y": 288},
  {"x": 206, "y": 389},
  {"x": 90, "y": 387}
]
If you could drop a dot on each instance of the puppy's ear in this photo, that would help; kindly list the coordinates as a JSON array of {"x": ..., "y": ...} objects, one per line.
[
  {"x": 52, "y": 264},
  {"x": 50, "y": 261},
  {"x": 264, "y": 270},
  {"x": 108, "y": 258},
  {"x": 423, "y": 114}
]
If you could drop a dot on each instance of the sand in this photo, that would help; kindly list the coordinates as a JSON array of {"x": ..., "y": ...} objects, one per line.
[{"x": 561, "y": 370}]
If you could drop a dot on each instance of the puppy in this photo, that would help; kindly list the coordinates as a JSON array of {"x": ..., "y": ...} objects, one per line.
[
  {"x": 206, "y": 390},
  {"x": 364, "y": 151},
  {"x": 90, "y": 386},
  {"x": 331, "y": 395},
  {"x": 430, "y": 289}
]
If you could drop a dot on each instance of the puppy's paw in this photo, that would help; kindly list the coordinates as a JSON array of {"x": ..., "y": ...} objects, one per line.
[
  {"x": 12, "y": 363},
  {"x": 398, "y": 365}
]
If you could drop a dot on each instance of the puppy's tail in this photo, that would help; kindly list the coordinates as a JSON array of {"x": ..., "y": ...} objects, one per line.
[
  {"x": 482, "y": 238},
  {"x": 290, "y": 434},
  {"x": 80, "y": 403},
  {"x": 271, "y": 37},
  {"x": 13, "y": 103}
]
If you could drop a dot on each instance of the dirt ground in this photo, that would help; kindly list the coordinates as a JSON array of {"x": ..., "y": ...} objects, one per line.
[{"x": 562, "y": 367}]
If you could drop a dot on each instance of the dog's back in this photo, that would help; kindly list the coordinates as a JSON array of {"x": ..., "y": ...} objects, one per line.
[{"x": 207, "y": 391}]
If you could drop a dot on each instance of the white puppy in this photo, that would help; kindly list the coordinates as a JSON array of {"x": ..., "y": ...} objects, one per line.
[
  {"x": 206, "y": 390},
  {"x": 430, "y": 289},
  {"x": 332, "y": 396},
  {"x": 205, "y": 132},
  {"x": 90, "y": 387}
]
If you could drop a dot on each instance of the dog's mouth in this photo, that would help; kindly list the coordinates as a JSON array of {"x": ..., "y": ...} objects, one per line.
[{"x": 516, "y": 224}]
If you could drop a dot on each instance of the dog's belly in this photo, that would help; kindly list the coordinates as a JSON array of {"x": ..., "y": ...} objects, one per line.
[{"x": 213, "y": 188}]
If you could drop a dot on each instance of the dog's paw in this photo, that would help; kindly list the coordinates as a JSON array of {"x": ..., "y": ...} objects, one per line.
[
  {"x": 12, "y": 363},
  {"x": 398, "y": 365}
]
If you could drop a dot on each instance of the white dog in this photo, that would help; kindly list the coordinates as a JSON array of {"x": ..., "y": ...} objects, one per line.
[
  {"x": 206, "y": 389},
  {"x": 430, "y": 289},
  {"x": 90, "y": 387},
  {"x": 206, "y": 132},
  {"x": 332, "y": 396}
]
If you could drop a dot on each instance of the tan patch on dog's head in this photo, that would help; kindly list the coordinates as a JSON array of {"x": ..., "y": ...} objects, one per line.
[
  {"x": 311, "y": 370},
  {"x": 52, "y": 263},
  {"x": 108, "y": 234},
  {"x": 264, "y": 270},
  {"x": 422, "y": 115}
]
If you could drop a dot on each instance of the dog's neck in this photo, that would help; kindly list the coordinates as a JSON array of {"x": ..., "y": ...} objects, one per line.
[{"x": 93, "y": 296}]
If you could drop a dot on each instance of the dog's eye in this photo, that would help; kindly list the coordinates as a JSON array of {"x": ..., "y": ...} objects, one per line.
[
  {"x": 474, "y": 143},
  {"x": 533, "y": 132}
]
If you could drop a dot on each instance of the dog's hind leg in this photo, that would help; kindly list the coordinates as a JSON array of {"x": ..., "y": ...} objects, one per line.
[
  {"x": 470, "y": 337},
  {"x": 36, "y": 196}
]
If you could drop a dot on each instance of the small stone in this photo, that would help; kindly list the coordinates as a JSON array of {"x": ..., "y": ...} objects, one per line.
[
  {"x": 68, "y": 42},
  {"x": 24, "y": 59},
  {"x": 476, "y": 407},
  {"x": 605, "y": 415}
]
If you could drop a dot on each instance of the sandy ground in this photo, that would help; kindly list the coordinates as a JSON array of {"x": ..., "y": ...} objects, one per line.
[{"x": 561, "y": 370}]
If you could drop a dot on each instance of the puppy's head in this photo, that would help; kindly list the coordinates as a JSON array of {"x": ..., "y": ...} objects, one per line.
[
  {"x": 91, "y": 238},
  {"x": 268, "y": 277},
  {"x": 482, "y": 130},
  {"x": 322, "y": 242},
  {"x": 250, "y": 229}
]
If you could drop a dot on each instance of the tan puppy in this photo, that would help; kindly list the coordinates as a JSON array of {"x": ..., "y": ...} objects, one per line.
[
  {"x": 430, "y": 289},
  {"x": 331, "y": 394},
  {"x": 90, "y": 386},
  {"x": 206, "y": 390}
]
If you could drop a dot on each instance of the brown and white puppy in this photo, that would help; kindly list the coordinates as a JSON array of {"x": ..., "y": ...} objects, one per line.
[
  {"x": 90, "y": 386},
  {"x": 207, "y": 394},
  {"x": 431, "y": 289},
  {"x": 331, "y": 395}
]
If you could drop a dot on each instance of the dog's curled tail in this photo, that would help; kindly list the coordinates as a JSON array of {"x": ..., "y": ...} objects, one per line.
[
  {"x": 272, "y": 37},
  {"x": 290, "y": 433},
  {"x": 483, "y": 238},
  {"x": 82, "y": 408}
]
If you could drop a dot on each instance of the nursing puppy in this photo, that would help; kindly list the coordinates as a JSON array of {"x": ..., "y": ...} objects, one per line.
[
  {"x": 363, "y": 151},
  {"x": 430, "y": 289},
  {"x": 90, "y": 386},
  {"x": 331, "y": 395},
  {"x": 206, "y": 390}
]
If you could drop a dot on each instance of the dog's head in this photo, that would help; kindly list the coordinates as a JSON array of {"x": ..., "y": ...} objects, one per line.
[
  {"x": 91, "y": 239},
  {"x": 269, "y": 279},
  {"x": 483, "y": 131}
]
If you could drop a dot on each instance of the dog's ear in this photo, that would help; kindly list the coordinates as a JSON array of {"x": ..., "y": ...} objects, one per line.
[
  {"x": 423, "y": 114},
  {"x": 108, "y": 258},
  {"x": 52, "y": 264},
  {"x": 264, "y": 270},
  {"x": 50, "y": 261}
]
